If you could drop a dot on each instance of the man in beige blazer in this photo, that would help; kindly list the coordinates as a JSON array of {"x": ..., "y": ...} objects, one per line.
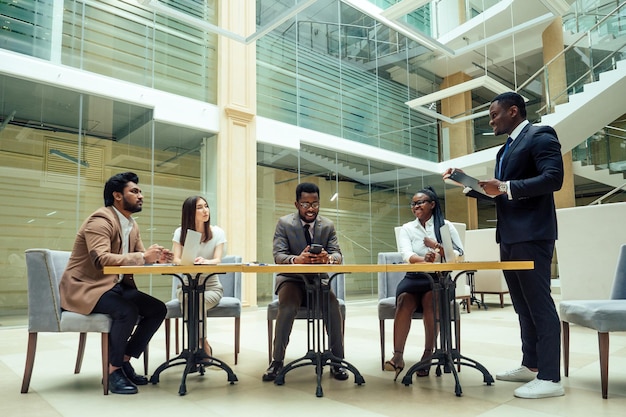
[{"x": 110, "y": 236}]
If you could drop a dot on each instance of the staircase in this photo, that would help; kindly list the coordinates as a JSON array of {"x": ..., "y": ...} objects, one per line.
[
  {"x": 583, "y": 115},
  {"x": 587, "y": 112},
  {"x": 600, "y": 175}
]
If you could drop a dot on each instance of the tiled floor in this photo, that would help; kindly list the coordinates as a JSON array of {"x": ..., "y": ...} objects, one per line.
[{"x": 489, "y": 336}]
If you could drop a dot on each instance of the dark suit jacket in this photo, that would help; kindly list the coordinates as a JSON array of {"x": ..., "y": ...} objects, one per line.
[
  {"x": 98, "y": 243},
  {"x": 289, "y": 242},
  {"x": 534, "y": 166}
]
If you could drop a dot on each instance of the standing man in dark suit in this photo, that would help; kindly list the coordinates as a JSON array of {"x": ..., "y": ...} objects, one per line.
[
  {"x": 292, "y": 240},
  {"x": 529, "y": 169},
  {"x": 110, "y": 236}
]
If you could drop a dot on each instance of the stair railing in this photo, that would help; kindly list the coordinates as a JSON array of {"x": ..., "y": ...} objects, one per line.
[
  {"x": 551, "y": 100},
  {"x": 599, "y": 200}
]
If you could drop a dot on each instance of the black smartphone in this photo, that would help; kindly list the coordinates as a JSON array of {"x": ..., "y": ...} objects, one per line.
[{"x": 315, "y": 248}]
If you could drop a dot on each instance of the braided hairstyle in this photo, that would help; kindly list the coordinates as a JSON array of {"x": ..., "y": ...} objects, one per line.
[{"x": 438, "y": 218}]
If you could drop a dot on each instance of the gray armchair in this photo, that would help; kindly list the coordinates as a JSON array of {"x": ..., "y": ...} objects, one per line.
[
  {"x": 604, "y": 316},
  {"x": 44, "y": 270},
  {"x": 387, "y": 283},
  {"x": 338, "y": 287},
  {"x": 229, "y": 306}
]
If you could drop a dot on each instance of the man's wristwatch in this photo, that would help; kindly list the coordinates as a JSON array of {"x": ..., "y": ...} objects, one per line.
[{"x": 502, "y": 187}]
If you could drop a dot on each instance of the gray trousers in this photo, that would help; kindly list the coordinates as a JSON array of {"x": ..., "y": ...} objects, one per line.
[{"x": 291, "y": 296}]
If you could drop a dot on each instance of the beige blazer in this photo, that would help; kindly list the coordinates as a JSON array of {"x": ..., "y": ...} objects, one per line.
[{"x": 98, "y": 243}]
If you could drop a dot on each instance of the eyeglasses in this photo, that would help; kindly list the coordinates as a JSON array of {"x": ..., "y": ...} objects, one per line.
[
  {"x": 306, "y": 206},
  {"x": 419, "y": 203}
]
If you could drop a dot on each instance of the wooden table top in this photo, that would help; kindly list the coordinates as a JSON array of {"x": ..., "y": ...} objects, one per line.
[{"x": 316, "y": 268}]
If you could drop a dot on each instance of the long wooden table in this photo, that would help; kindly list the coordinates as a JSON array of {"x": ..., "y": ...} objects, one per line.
[{"x": 446, "y": 354}]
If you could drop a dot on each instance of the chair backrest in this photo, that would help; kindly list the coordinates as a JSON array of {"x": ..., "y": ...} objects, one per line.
[
  {"x": 481, "y": 245},
  {"x": 44, "y": 270},
  {"x": 231, "y": 281},
  {"x": 388, "y": 281},
  {"x": 619, "y": 284},
  {"x": 580, "y": 241},
  {"x": 396, "y": 231},
  {"x": 461, "y": 228},
  {"x": 338, "y": 285}
]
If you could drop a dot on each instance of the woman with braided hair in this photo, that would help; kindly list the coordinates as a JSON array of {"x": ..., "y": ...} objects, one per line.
[{"x": 419, "y": 241}]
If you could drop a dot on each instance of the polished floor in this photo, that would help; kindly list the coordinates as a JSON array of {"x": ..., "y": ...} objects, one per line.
[{"x": 488, "y": 336}]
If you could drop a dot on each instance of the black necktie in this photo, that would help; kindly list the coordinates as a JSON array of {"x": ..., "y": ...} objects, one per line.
[
  {"x": 506, "y": 148},
  {"x": 307, "y": 234}
]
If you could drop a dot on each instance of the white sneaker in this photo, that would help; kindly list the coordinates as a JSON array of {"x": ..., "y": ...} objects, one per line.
[
  {"x": 540, "y": 388},
  {"x": 521, "y": 374}
]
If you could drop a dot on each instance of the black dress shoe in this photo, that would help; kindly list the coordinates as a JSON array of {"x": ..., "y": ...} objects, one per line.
[
  {"x": 271, "y": 372},
  {"x": 132, "y": 375},
  {"x": 339, "y": 373},
  {"x": 119, "y": 384}
]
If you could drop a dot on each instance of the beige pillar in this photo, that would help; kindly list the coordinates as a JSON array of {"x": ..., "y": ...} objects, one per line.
[
  {"x": 459, "y": 208},
  {"x": 236, "y": 142},
  {"x": 552, "y": 39}
]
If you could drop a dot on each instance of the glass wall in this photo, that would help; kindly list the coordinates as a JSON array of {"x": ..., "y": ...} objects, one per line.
[
  {"x": 57, "y": 149},
  {"x": 60, "y": 146},
  {"x": 335, "y": 70},
  {"x": 330, "y": 69},
  {"x": 364, "y": 198},
  {"x": 119, "y": 39}
]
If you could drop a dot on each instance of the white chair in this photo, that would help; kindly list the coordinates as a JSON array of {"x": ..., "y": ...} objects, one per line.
[
  {"x": 604, "y": 316},
  {"x": 480, "y": 245},
  {"x": 229, "y": 306},
  {"x": 44, "y": 270}
]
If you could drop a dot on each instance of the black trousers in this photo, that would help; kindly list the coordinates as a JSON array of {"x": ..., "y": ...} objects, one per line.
[
  {"x": 126, "y": 305},
  {"x": 530, "y": 292}
]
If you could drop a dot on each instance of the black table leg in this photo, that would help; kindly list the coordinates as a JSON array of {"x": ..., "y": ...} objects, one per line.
[
  {"x": 193, "y": 355},
  {"x": 318, "y": 353},
  {"x": 447, "y": 355}
]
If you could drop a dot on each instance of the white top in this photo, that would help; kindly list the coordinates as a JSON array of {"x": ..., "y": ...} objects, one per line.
[
  {"x": 206, "y": 249},
  {"x": 412, "y": 234},
  {"x": 127, "y": 226}
]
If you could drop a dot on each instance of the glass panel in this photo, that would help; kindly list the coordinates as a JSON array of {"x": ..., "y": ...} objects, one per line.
[
  {"x": 57, "y": 148},
  {"x": 127, "y": 42},
  {"x": 337, "y": 71},
  {"x": 26, "y": 26},
  {"x": 365, "y": 199}
]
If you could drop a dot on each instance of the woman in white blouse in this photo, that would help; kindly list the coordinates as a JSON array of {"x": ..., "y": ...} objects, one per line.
[
  {"x": 419, "y": 241},
  {"x": 196, "y": 215}
]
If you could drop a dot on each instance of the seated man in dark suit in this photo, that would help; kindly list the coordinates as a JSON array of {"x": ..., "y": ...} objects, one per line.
[{"x": 292, "y": 240}]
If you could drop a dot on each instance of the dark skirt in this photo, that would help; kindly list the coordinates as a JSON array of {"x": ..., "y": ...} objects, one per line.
[{"x": 417, "y": 283}]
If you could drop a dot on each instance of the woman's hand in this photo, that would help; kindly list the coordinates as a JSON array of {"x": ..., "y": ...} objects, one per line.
[
  {"x": 430, "y": 257},
  {"x": 432, "y": 244},
  {"x": 203, "y": 261}
]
